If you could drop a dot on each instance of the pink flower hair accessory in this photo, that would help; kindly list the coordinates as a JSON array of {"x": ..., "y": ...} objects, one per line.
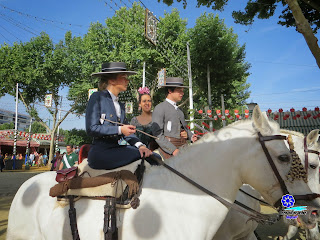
[{"x": 143, "y": 90}]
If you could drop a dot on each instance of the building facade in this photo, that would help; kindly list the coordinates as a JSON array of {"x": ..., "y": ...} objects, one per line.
[{"x": 9, "y": 116}]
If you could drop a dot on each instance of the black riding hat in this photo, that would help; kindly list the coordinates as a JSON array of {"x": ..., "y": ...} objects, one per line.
[{"x": 113, "y": 67}]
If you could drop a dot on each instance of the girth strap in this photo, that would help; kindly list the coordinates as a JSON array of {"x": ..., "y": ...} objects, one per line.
[
  {"x": 110, "y": 222},
  {"x": 73, "y": 219}
]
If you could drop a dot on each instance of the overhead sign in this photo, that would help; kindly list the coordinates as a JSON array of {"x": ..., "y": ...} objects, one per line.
[
  {"x": 48, "y": 100},
  {"x": 151, "y": 27},
  {"x": 162, "y": 77}
]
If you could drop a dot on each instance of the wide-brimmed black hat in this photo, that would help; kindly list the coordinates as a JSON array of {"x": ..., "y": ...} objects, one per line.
[
  {"x": 174, "y": 82},
  {"x": 113, "y": 67}
]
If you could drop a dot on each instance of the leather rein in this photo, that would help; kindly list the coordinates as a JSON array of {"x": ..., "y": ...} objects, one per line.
[{"x": 257, "y": 216}]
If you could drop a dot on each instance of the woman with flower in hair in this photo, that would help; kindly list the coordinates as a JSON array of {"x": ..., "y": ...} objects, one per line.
[{"x": 143, "y": 122}]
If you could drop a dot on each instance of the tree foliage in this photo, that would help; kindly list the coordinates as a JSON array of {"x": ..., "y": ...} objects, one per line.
[
  {"x": 304, "y": 15},
  {"x": 40, "y": 67},
  {"x": 213, "y": 44},
  {"x": 36, "y": 128},
  {"x": 5, "y": 126},
  {"x": 76, "y": 137}
]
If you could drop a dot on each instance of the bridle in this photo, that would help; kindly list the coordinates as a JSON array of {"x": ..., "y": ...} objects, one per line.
[
  {"x": 261, "y": 218},
  {"x": 306, "y": 151},
  {"x": 308, "y": 197}
]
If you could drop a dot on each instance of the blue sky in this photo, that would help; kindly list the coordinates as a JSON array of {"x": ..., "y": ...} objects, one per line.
[{"x": 284, "y": 73}]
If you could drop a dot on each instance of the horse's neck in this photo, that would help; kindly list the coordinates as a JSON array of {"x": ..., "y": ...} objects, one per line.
[{"x": 215, "y": 164}]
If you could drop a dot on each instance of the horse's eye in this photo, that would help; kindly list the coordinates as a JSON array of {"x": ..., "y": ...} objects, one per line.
[
  {"x": 284, "y": 158},
  {"x": 313, "y": 166}
]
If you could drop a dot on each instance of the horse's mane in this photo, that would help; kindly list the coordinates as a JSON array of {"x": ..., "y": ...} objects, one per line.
[{"x": 290, "y": 132}]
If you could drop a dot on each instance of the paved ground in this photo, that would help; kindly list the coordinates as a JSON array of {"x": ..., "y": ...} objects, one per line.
[
  {"x": 9, "y": 185},
  {"x": 11, "y": 181}
]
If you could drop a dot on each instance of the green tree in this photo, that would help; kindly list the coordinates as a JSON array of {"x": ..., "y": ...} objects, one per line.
[
  {"x": 76, "y": 137},
  {"x": 36, "y": 128},
  {"x": 5, "y": 126},
  {"x": 40, "y": 68},
  {"x": 304, "y": 15},
  {"x": 213, "y": 44}
]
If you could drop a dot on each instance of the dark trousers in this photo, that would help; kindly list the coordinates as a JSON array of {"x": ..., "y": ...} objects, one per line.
[{"x": 103, "y": 157}]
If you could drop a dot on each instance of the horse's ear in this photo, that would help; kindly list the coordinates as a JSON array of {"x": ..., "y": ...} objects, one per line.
[
  {"x": 313, "y": 137},
  {"x": 260, "y": 121}
]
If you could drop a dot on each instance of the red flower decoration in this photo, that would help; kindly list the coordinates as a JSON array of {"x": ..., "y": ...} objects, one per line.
[
  {"x": 304, "y": 109},
  {"x": 238, "y": 116},
  {"x": 200, "y": 111},
  {"x": 315, "y": 117},
  {"x": 247, "y": 116},
  {"x": 292, "y": 110},
  {"x": 209, "y": 111},
  {"x": 236, "y": 111},
  {"x": 218, "y": 111},
  {"x": 246, "y": 111},
  {"x": 308, "y": 115},
  {"x": 226, "y": 111},
  {"x": 316, "y": 109},
  {"x": 280, "y": 110},
  {"x": 294, "y": 118},
  {"x": 269, "y": 110},
  {"x": 305, "y": 117},
  {"x": 298, "y": 115}
]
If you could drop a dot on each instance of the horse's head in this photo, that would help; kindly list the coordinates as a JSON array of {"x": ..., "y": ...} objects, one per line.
[{"x": 272, "y": 183}]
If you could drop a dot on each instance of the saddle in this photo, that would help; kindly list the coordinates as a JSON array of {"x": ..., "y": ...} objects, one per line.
[{"x": 118, "y": 187}]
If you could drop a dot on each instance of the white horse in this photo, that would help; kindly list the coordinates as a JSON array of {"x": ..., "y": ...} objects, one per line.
[
  {"x": 237, "y": 226},
  {"x": 170, "y": 208}
]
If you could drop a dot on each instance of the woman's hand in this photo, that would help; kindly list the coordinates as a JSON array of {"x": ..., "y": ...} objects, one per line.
[
  {"x": 184, "y": 134},
  {"x": 128, "y": 130},
  {"x": 144, "y": 150}
]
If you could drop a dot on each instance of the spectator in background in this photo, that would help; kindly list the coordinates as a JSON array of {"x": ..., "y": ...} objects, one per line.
[
  {"x": 68, "y": 159},
  {"x": 40, "y": 160},
  {"x": 36, "y": 157},
  {"x": 56, "y": 161},
  {"x": 45, "y": 159},
  {"x": 2, "y": 164},
  {"x": 31, "y": 158}
]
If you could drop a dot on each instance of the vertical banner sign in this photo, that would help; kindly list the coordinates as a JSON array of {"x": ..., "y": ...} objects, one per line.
[
  {"x": 129, "y": 107},
  {"x": 48, "y": 100},
  {"x": 90, "y": 91},
  {"x": 151, "y": 27},
  {"x": 162, "y": 77}
]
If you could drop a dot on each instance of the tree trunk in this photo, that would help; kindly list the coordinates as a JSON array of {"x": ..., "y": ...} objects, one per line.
[
  {"x": 304, "y": 28},
  {"x": 52, "y": 147}
]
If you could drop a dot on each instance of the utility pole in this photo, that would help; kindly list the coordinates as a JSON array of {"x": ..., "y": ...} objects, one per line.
[
  {"x": 209, "y": 96},
  {"x": 15, "y": 127},
  {"x": 57, "y": 137},
  {"x": 28, "y": 140},
  {"x": 144, "y": 75},
  {"x": 190, "y": 86},
  {"x": 223, "y": 111}
]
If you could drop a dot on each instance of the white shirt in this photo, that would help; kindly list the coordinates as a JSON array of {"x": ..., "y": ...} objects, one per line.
[
  {"x": 118, "y": 112},
  {"x": 172, "y": 103}
]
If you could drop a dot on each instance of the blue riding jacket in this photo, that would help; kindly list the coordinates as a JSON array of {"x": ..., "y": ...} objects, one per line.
[{"x": 105, "y": 152}]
